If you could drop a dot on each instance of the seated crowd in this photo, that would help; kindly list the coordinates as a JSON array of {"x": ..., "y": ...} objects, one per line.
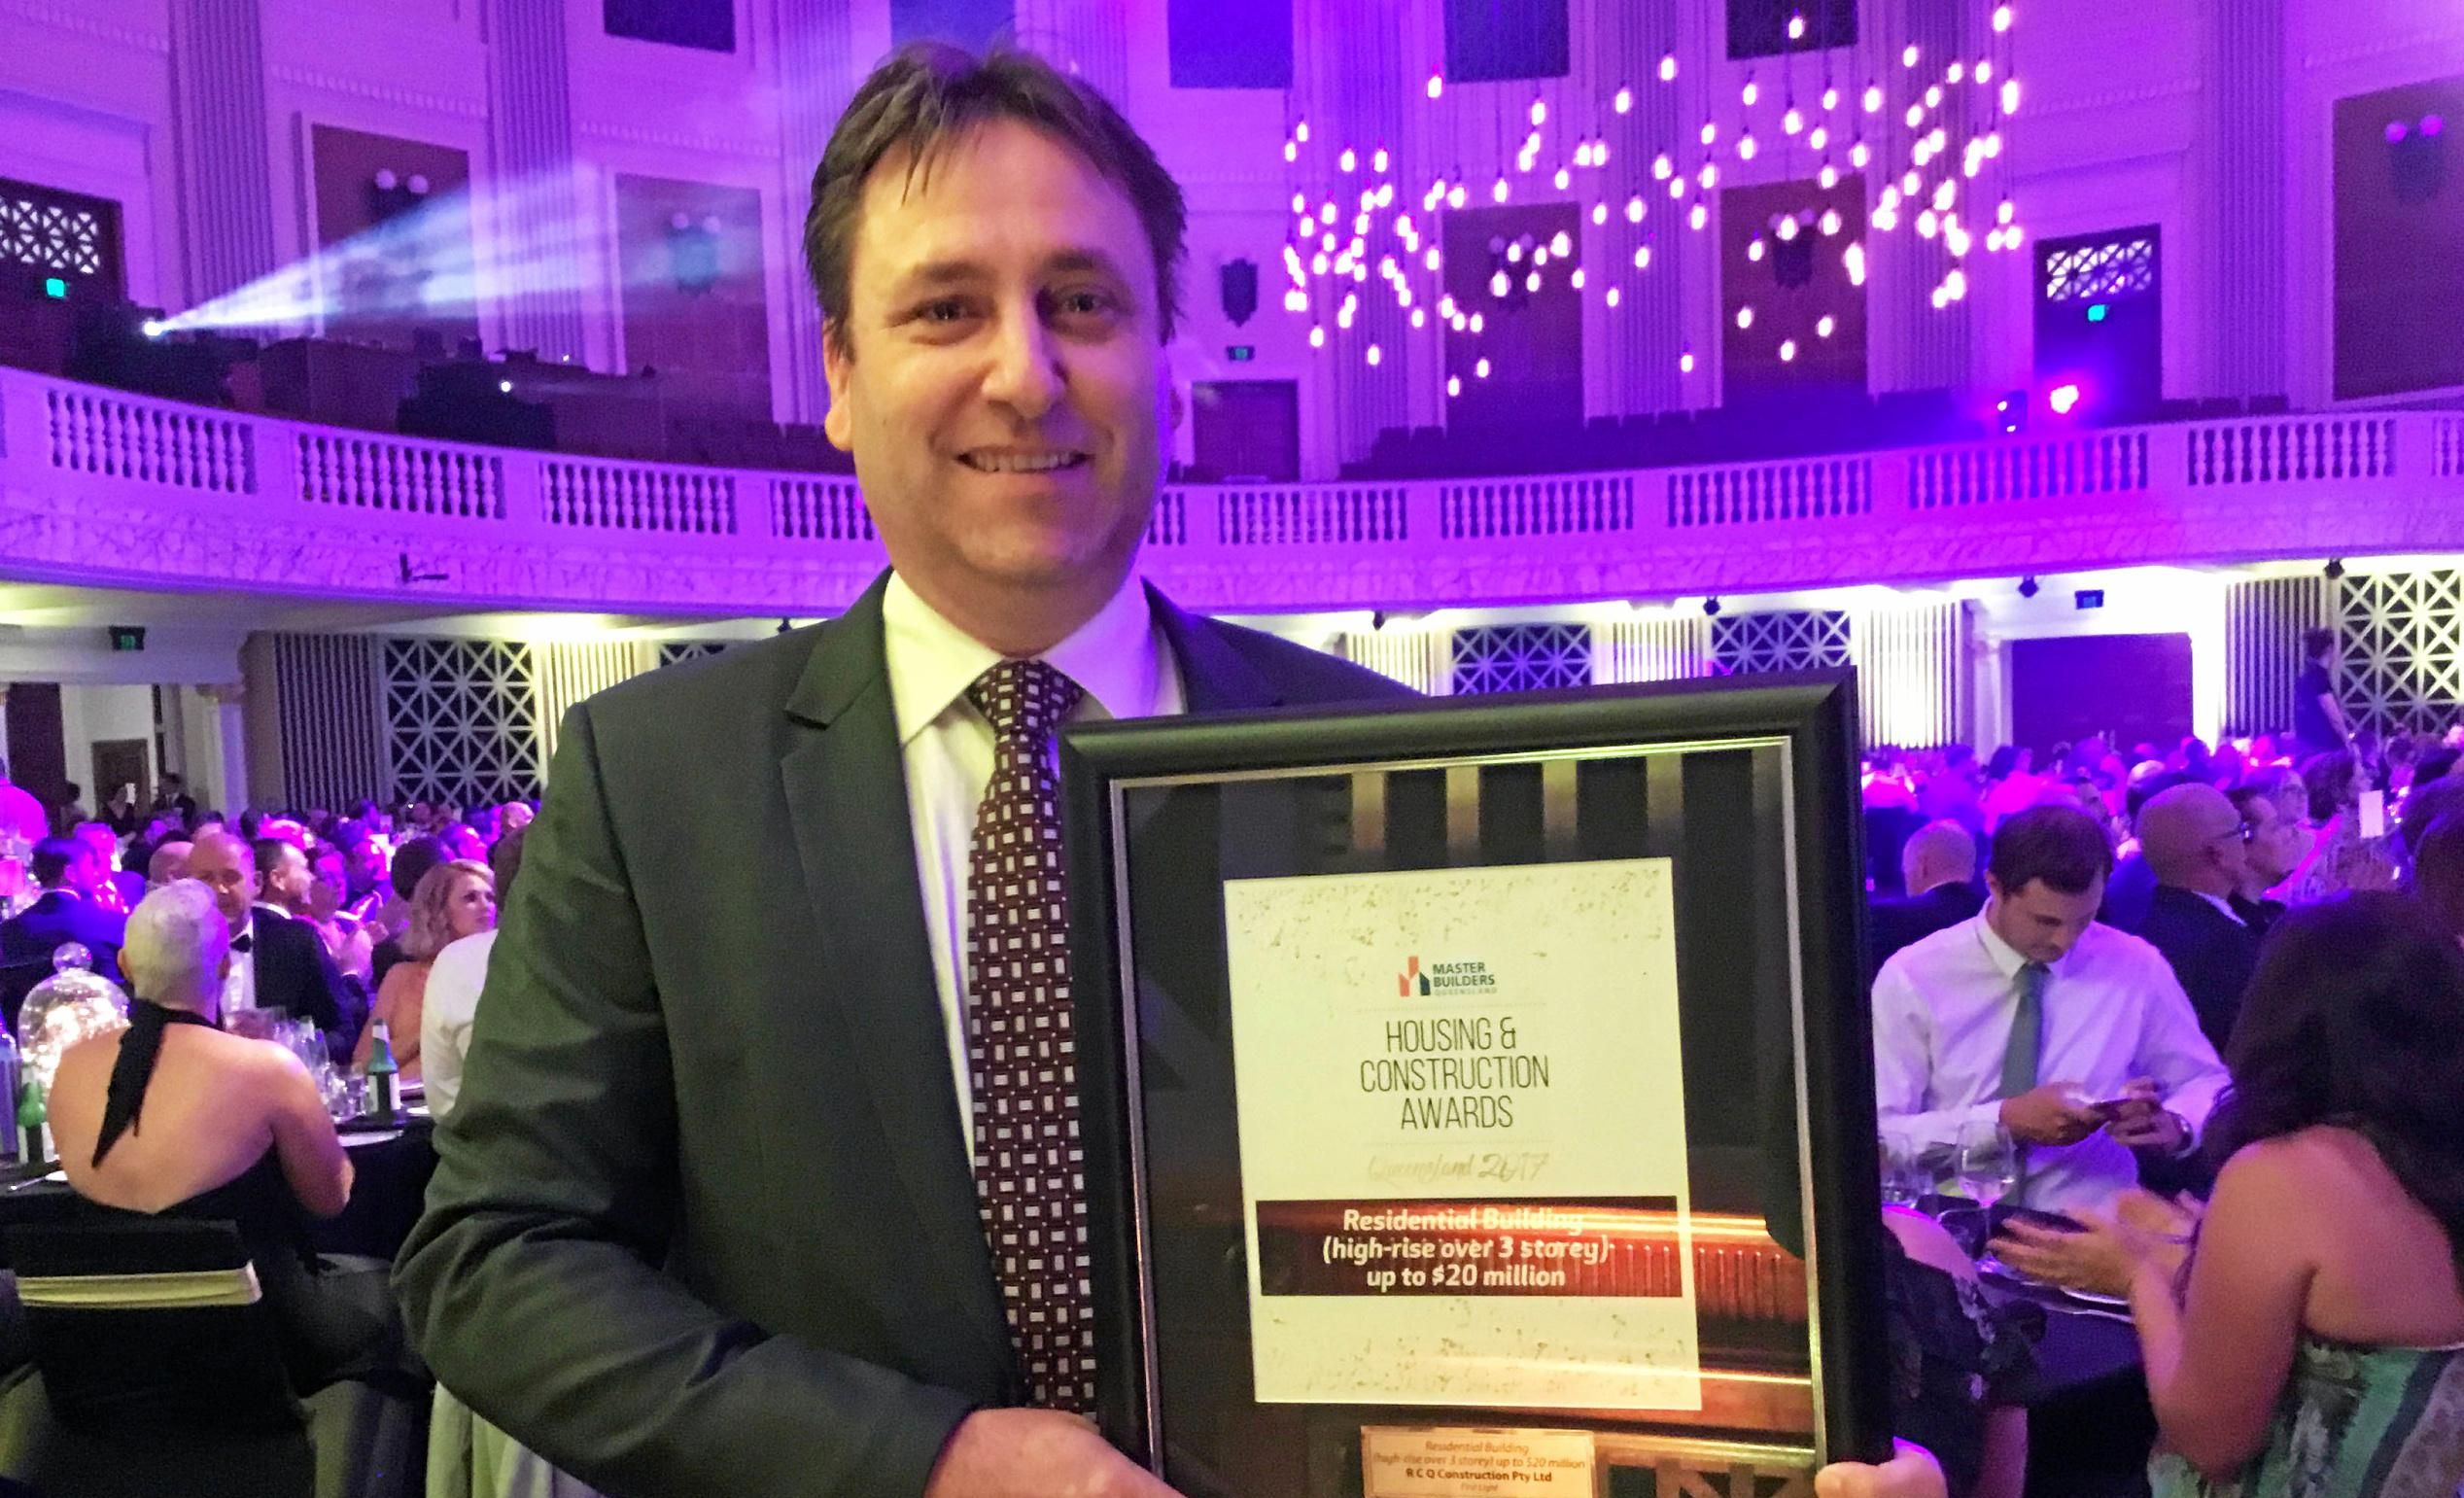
[
  {"x": 2183, "y": 996},
  {"x": 2193, "y": 1040}
]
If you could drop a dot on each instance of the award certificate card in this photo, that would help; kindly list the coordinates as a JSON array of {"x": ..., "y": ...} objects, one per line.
[{"x": 1462, "y": 1136}]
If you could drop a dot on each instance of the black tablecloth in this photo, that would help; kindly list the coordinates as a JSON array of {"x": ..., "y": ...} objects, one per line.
[
  {"x": 390, "y": 1182},
  {"x": 2090, "y": 1427}
]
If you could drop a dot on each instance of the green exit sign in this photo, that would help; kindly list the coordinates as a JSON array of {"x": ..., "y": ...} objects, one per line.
[
  {"x": 1240, "y": 353},
  {"x": 55, "y": 288}
]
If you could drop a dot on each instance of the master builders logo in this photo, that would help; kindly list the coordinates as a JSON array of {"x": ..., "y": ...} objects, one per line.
[{"x": 1443, "y": 979}]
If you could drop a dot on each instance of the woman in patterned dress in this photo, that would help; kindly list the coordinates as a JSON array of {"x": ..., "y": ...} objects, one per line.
[{"x": 2304, "y": 1335}]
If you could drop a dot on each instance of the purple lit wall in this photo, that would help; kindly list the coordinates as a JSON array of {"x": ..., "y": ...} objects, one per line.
[
  {"x": 2399, "y": 240},
  {"x": 693, "y": 305},
  {"x": 2062, "y": 689},
  {"x": 1791, "y": 317},
  {"x": 364, "y": 179},
  {"x": 1531, "y": 342}
]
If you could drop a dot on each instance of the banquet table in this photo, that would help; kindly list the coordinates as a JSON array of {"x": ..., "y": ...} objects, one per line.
[
  {"x": 2090, "y": 1427},
  {"x": 390, "y": 1162}
]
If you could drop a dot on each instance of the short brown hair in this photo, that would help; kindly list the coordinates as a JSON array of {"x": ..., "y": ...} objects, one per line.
[
  {"x": 2060, "y": 845},
  {"x": 927, "y": 94}
]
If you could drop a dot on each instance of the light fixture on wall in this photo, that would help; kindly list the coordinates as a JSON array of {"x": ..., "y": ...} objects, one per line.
[
  {"x": 1710, "y": 606},
  {"x": 2335, "y": 567},
  {"x": 2029, "y": 588}
]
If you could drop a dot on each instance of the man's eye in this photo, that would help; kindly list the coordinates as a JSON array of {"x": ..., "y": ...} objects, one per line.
[
  {"x": 1085, "y": 303},
  {"x": 945, "y": 311}
]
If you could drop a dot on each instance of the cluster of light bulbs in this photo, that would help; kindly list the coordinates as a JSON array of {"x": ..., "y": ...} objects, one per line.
[{"x": 1329, "y": 257}]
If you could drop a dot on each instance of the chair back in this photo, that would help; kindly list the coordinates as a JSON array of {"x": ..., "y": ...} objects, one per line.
[{"x": 144, "y": 1328}]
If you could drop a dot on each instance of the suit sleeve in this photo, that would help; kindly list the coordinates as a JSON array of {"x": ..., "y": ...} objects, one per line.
[
  {"x": 339, "y": 1012},
  {"x": 531, "y": 1286}
]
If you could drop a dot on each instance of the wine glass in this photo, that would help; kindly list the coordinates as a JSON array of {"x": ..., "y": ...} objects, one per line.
[{"x": 1987, "y": 1162}]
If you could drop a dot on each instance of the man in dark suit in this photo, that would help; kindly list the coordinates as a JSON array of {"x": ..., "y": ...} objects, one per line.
[
  {"x": 277, "y": 963},
  {"x": 2196, "y": 846},
  {"x": 68, "y": 873},
  {"x": 704, "y": 1218},
  {"x": 1939, "y": 863}
]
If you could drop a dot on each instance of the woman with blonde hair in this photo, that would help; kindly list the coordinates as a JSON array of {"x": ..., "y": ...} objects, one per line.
[{"x": 454, "y": 899}]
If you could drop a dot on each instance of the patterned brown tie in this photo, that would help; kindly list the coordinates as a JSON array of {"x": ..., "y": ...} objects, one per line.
[{"x": 1029, "y": 1172}]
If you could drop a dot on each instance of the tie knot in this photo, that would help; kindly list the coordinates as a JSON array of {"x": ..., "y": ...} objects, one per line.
[{"x": 1025, "y": 698}]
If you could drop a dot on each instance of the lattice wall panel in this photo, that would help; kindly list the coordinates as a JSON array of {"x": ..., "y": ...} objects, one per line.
[
  {"x": 2099, "y": 270},
  {"x": 63, "y": 235},
  {"x": 2402, "y": 640},
  {"x": 462, "y": 720},
  {"x": 1521, "y": 657},
  {"x": 1808, "y": 639},
  {"x": 675, "y": 652}
]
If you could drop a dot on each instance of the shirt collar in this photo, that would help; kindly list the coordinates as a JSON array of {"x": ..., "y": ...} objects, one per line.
[
  {"x": 1116, "y": 656},
  {"x": 2221, "y": 903},
  {"x": 2004, "y": 956}
]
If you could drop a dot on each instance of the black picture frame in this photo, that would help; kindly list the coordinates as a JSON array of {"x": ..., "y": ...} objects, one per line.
[{"x": 1782, "y": 745}]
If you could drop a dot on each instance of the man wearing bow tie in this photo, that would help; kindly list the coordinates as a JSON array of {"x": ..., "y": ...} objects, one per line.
[{"x": 277, "y": 963}]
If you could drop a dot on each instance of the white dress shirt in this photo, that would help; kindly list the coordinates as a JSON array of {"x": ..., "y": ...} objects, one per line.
[
  {"x": 2113, "y": 1011},
  {"x": 1121, "y": 659},
  {"x": 239, "y": 984},
  {"x": 446, "y": 1011}
]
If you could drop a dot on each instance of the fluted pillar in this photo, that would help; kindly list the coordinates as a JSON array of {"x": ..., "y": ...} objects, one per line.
[
  {"x": 1349, "y": 72},
  {"x": 537, "y": 209},
  {"x": 2246, "y": 222},
  {"x": 217, "y": 56},
  {"x": 1644, "y": 335},
  {"x": 1086, "y": 39},
  {"x": 818, "y": 74},
  {"x": 1918, "y": 345}
]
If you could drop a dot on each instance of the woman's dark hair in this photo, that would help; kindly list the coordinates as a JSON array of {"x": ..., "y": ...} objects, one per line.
[
  {"x": 2329, "y": 779},
  {"x": 2060, "y": 845},
  {"x": 2005, "y": 759},
  {"x": 2355, "y": 1017},
  {"x": 929, "y": 95}
]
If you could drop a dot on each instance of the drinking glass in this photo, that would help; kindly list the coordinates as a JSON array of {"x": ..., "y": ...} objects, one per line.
[
  {"x": 1988, "y": 1164},
  {"x": 1905, "y": 1180}
]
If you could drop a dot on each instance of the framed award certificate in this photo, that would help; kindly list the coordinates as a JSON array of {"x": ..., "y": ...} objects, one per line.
[{"x": 1478, "y": 1093}]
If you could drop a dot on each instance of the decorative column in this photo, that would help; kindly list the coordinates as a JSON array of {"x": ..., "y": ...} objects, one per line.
[
  {"x": 1917, "y": 345},
  {"x": 537, "y": 211},
  {"x": 1645, "y": 334},
  {"x": 817, "y": 72},
  {"x": 224, "y": 780},
  {"x": 1348, "y": 73},
  {"x": 2246, "y": 200},
  {"x": 218, "y": 60},
  {"x": 1086, "y": 39}
]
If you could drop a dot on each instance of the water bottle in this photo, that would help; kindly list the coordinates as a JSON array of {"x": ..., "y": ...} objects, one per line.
[
  {"x": 34, "y": 1118},
  {"x": 10, "y": 1147},
  {"x": 381, "y": 1071}
]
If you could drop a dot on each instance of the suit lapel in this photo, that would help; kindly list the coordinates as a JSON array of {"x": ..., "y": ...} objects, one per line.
[
  {"x": 846, "y": 790},
  {"x": 1214, "y": 676}
]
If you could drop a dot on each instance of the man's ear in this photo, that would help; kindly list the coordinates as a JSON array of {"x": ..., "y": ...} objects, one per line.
[{"x": 838, "y": 369}]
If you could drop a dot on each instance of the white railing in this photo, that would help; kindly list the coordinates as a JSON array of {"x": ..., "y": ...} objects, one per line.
[{"x": 185, "y": 497}]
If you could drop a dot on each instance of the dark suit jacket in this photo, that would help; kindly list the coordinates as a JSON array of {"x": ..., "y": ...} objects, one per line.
[
  {"x": 704, "y": 1220},
  {"x": 2211, "y": 954},
  {"x": 28, "y": 938},
  {"x": 1892, "y": 925},
  {"x": 296, "y": 973}
]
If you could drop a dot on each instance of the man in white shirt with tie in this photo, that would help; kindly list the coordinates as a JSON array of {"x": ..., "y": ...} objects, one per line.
[{"x": 2075, "y": 1036}]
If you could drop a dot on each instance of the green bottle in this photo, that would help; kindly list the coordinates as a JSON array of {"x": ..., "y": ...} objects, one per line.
[
  {"x": 381, "y": 1072},
  {"x": 34, "y": 1123}
]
